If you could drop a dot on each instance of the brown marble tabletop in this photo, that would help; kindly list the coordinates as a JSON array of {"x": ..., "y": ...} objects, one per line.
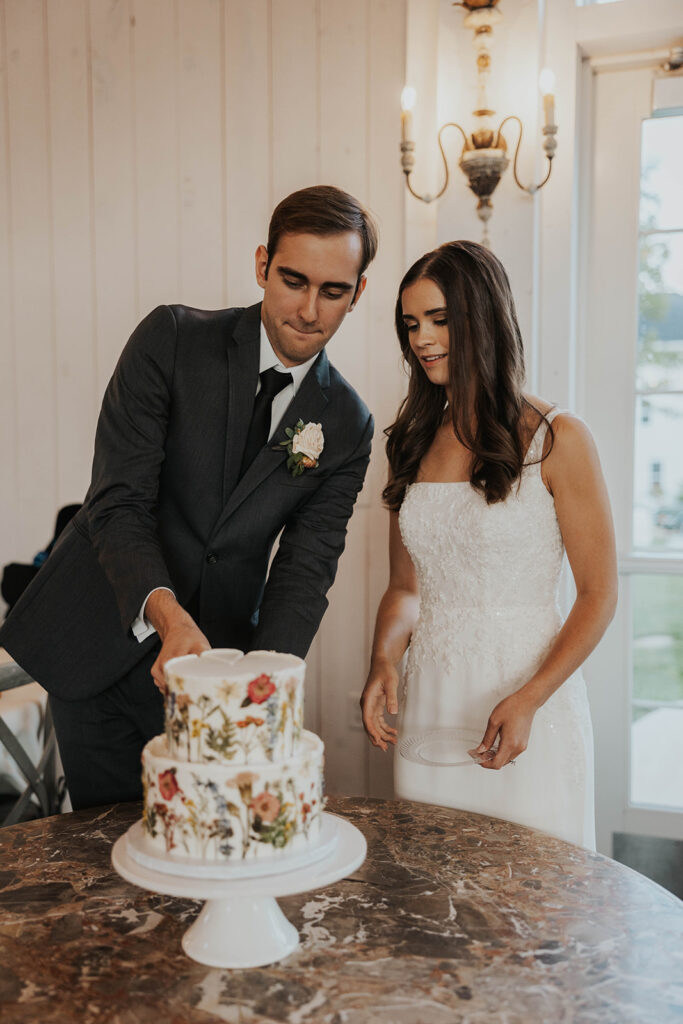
[{"x": 454, "y": 918}]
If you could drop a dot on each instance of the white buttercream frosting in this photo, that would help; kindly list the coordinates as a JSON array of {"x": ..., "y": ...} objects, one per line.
[{"x": 235, "y": 777}]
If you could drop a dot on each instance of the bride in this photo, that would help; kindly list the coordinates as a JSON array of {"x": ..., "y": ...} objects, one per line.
[{"x": 488, "y": 487}]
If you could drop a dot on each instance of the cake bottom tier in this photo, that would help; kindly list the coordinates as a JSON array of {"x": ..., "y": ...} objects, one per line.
[{"x": 222, "y": 813}]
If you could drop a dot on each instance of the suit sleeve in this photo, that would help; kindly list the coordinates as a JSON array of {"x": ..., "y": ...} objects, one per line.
[
  {"x": 122, "y": 501},
  {"x": 303, "y": 570}
]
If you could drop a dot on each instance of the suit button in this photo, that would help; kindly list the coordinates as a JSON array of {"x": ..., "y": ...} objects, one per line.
[{"x": 211, "y": 558}]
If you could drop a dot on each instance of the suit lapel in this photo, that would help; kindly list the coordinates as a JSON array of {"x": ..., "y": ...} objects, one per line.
[
  {"x": 308, "y": 405},
  {"x": 243, "y": 367}
]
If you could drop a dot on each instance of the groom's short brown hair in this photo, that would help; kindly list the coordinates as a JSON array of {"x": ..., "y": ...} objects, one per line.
[{"x": 323, "y": 210}]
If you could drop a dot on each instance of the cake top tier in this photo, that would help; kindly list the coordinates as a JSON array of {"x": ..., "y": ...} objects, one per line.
[
  {"x": 227, "y": 663},
  {"x": 234, "y": 708}
]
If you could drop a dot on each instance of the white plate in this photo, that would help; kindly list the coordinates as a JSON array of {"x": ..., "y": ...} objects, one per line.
[
  {"x": 444, "y": 748},
  {"x": 143, "y": 853}
]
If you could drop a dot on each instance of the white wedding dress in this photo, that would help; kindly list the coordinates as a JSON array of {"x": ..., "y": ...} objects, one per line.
[{"x": 489, "y": 577}]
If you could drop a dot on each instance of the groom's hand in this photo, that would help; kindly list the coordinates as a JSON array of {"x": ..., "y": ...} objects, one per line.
[
  {"x": 178, "y": 631},
  {"x": 380, "y": 694}
]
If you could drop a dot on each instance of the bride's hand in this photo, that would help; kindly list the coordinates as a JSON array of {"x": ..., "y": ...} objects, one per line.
[
  {"x": 512, "y": 719},
  {"x": 380, "y": 694}
]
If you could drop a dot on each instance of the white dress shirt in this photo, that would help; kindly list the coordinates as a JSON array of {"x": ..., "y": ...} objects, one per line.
[{"x": 267, "y": 359}]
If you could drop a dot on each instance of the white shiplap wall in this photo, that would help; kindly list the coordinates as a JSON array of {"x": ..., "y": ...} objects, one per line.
[{"x": 143, "y": 144}]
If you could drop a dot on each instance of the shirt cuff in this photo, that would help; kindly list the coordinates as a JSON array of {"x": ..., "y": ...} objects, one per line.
[{"x": 141, "y": 627}]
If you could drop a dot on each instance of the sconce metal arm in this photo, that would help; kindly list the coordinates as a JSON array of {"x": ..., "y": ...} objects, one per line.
[
  {"x": 531, "y": 189},
  {"x": 429, "y": 198}
]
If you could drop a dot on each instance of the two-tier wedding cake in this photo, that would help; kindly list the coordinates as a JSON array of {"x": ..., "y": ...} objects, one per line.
[{"x": 236, "y": 777}]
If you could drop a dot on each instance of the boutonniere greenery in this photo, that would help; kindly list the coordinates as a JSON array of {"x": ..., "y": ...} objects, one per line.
[{"x": 304, "y": 443}]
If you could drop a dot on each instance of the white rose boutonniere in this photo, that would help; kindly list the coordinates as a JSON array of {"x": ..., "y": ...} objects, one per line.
[{"x": 304, "y": 445}]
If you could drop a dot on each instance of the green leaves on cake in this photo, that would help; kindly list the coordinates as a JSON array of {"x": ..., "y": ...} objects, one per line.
[{"x": 221, "y": 740}]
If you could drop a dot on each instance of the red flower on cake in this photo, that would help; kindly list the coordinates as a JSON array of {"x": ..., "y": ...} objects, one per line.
[
  {"x": 265, "y": 806},
  {"x": 168, "y": 787},
  {"x": 260, "y": 689}
]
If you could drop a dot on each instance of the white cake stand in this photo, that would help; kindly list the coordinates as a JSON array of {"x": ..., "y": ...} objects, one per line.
[{"x": 241, "y": 924}]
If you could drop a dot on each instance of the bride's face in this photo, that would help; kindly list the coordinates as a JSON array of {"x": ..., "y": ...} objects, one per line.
[{"x": 424, "y": 315}]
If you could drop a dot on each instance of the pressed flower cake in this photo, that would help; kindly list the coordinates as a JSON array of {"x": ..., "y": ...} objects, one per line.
[{"x": 236, "y": 776}]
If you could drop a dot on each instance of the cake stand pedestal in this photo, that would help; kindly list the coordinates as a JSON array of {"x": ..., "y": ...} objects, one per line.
[{"x": 241, "y": 924}]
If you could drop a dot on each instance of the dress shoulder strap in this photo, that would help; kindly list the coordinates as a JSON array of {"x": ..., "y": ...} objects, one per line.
[
  {"x": 552, "y": 413},
  {"x": 535, "y": 449}
]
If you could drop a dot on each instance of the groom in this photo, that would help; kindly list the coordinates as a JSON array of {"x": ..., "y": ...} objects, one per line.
[{"x": 190, "y": 488}]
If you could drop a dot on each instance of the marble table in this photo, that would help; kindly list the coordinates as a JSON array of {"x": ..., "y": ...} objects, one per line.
[{"x": 454, "y": 918}]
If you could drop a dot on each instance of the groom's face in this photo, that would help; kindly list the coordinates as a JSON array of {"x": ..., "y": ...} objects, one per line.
[{"x": 311, "y": 284}]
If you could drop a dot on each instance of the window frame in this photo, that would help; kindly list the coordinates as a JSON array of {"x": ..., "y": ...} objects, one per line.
[{"x": 609, "y": 671}]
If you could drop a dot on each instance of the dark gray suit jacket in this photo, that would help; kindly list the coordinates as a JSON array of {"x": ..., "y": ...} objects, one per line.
[{"x": 165, "y": 508}]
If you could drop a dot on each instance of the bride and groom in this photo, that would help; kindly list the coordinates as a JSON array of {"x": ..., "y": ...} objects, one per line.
[{"x": 219, "y": 429}]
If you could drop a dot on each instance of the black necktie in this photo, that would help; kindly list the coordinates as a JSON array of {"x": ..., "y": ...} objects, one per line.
[{"x": 272, "y": 382}]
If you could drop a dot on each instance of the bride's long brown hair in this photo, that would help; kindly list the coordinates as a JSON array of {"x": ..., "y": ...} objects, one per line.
[{"x": 485, "y": 371}]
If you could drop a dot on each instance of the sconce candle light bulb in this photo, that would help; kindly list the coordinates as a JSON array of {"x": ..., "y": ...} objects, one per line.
[
  {"x": 408, "y": 97},
  {"x": 546, "y": 83}
]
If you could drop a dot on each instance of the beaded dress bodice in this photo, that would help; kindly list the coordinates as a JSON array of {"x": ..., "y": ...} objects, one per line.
[
  {"x": 488, "y": 574},
  {"x": 472, "y": 555}
]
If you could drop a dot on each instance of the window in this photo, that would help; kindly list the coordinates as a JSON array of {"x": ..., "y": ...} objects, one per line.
[
  {"x": 631, "y": 393},
  {"x": 658, "y": 470},
  {"x": 657, "y": 600}
]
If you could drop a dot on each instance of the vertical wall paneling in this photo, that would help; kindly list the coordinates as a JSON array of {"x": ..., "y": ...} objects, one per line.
[
  {"x": 295, "y": 58},
  {"x": 343, "y": 646},
  {"x": 313, "y": 702},
  {"x": 247, "y": 142},
  {"x": 343, "y": 94},
  {"x": 32, "y": 281},
  {"x": 113, "y": 162},
  {"x": 558, "y": 217},
  {"x": 9, "y": 446},
  {"x": 513, "y": 225},
  {"x": 422, "y": 35},
  {"x": 143, "y": 145},
  {"x": 386, "y": 380},
  {"x": 343, "y": 126},
  {"x": 343, "y": 146},
  {"x": 157, "y": 157},
  {"x": 75, "y": 381},
  {"x": 200, "y": 139}
]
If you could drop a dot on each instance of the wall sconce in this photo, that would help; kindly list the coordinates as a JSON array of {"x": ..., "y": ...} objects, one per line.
[{"x": 484, "y": 153}]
